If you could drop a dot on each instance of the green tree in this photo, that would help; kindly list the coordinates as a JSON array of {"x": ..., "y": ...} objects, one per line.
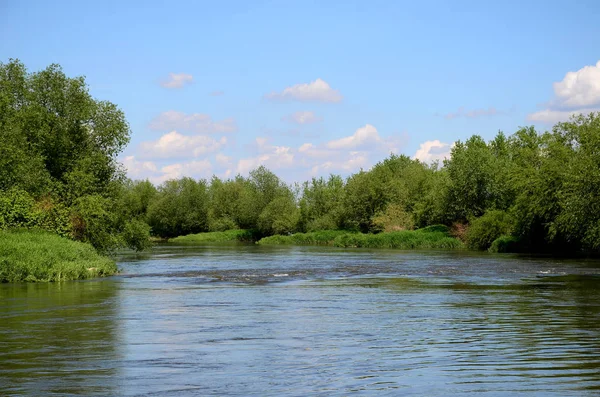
[{"x": 180, "y": 208}]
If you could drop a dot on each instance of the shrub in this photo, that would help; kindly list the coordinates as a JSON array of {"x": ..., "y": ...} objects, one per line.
[
  {"x": 393, "y": 219},
  {"x": 506, "y": 244},
  {"x": 484, "y": 230},
  {"x": 136, "y": 235}
]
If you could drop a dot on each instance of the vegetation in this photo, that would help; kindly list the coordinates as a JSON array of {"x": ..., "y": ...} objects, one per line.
[
  {"x": 239, "y": 235},
  {"x": 426, "y": 238},
  {"x": 530, "y": 191},
  {"x": 34, "y": 255},
  {"x": 58, "y": 165}
]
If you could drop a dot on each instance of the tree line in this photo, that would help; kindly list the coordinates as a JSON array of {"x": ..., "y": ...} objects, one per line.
[{"x": 534, "y": 191}]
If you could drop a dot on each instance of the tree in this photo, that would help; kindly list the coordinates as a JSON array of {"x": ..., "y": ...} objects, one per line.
[{"x": 180, "y": 208}]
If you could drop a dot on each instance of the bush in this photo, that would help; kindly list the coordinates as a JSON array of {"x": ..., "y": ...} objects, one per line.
[
  {"x": 393, "y": 219},
  {"x": 506, "y": 244},
  {"x": 484, "y": 230},
  {"x": 222, "y": 224},
  {"x": 93, "y": 223},
  {"x": 136, "y": 235}
]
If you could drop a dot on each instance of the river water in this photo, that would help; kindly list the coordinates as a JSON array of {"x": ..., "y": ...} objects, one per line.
[{"x": 297, "y": 321}]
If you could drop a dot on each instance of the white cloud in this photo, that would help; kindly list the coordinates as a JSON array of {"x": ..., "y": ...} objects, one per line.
[
  {"x": 343, "y": 155},
  {"x": 579, "y": 89},
  {"x": 195, "y": 169},
  {"x": 366, "y": 135},
  {"x": 174, "y": 144},
  {"x": 195, "y": 122},
  {"x": 430, "y": 151},
  {"x": 139, "y": 169},
  {"x": 177, "y": 80},
  {"x": 271, "y": 156},
  {"x": 223, "y": 160},
  {"x": 578, "y": 92},
  {"x": 316, "y": 91},
  {"x": 346, "y": 161},
  {"x": 554, "y": 116},
  {"x": 302, "y": 118}
]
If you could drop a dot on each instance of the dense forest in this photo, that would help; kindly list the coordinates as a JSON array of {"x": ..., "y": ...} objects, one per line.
[{"x": 533, "y": 191}]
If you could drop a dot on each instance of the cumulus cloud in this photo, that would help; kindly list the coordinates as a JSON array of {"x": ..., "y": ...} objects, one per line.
[
  {"x": 174, "y": 145},
  {"x": 578, "y": 92},
  {"x": 365, "y": 135},
  {"x": 137, "y": 169},
  {"x": 304, "y": 117},
  {"x": 195, "y": 169},
  {"x": 430, "y": 151},
  {"x": 177, "y": 80},
  {"x": 194, "y": 122},
  {"x": 473, "y": 113},
  {"x": 316, "y": 91},
  {"x": 579, "y": 89},
  {"x": 271, "y": 156},
  {"x": 347, "y": 154}
]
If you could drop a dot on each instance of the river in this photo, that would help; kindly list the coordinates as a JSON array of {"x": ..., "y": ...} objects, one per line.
[{"x": 296, "y": 321}]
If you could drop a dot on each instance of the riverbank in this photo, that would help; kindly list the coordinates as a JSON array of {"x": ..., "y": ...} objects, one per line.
[
  {"x": 228, "y": 236},
  {"x": 433, "y": 237},
  {"x": 38, "y": 256}
]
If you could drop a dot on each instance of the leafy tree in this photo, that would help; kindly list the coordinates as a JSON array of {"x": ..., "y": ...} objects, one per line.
[
  {"x": 321, "y": 204},
  {"x": 180, "y": 208}
]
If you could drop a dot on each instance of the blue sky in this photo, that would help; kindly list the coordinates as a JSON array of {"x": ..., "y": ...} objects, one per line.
[{"x": 309, "y": 88}]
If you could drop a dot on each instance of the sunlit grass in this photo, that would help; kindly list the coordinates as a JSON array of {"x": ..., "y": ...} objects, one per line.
[
  {"x": 27, "y": 255},
  {"x": 237, "y": 235},
  {"x": 433, "y": 237}
]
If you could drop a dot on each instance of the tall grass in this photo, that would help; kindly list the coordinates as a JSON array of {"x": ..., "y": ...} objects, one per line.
[
  {"x": 241, "y": 235},
  {"x": 433, "y": 237},
  {"x": 322, "y": 237},
  {"x": 32, "y": 255}
]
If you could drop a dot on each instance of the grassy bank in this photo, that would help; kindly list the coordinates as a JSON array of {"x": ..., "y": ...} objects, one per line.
[
  {"x": 27, "y": 255},
  {"x": 433, "y": 237},
  {"x": 229, "y": 236}
]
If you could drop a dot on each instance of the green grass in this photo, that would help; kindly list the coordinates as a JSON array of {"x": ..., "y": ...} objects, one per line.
[
  {"x": 323, "y": 237},
  {"x": 238, "y": 235},
  {"x": 38, "y": 256},
  {"x": 433, "y": 237}
]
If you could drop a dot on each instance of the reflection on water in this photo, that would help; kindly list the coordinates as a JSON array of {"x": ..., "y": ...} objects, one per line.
[
  {"x": 58, "y": 338},
  {"x": 250, "y": 320}
]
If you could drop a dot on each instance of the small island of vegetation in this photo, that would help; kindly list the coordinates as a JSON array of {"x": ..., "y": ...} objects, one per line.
[{"x": 62, "y": 187}]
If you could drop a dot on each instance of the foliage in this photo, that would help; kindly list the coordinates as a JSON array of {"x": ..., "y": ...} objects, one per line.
[
  {"x": 433, "y": 238},
  {"x": 136, "y": 235},
  {"x": 93, "y": 222},
  {"x": 505, "y": 244},
  {"x": 280, "y": 216},
  {"x": 484, "y": 230},
  {"x": 180, "y": 208},
  {"x": 321, "y": 237},
  {"x": 58, "y": 156},
  {"x": 30, "y": 255},
  {"x": 393, "y": 219},
  {"x": 238, "y": 235},
  {"x": 59, "y": 172}
]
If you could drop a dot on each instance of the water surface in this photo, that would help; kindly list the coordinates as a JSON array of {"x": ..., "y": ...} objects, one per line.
[{"x": 297, "y": 321}]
